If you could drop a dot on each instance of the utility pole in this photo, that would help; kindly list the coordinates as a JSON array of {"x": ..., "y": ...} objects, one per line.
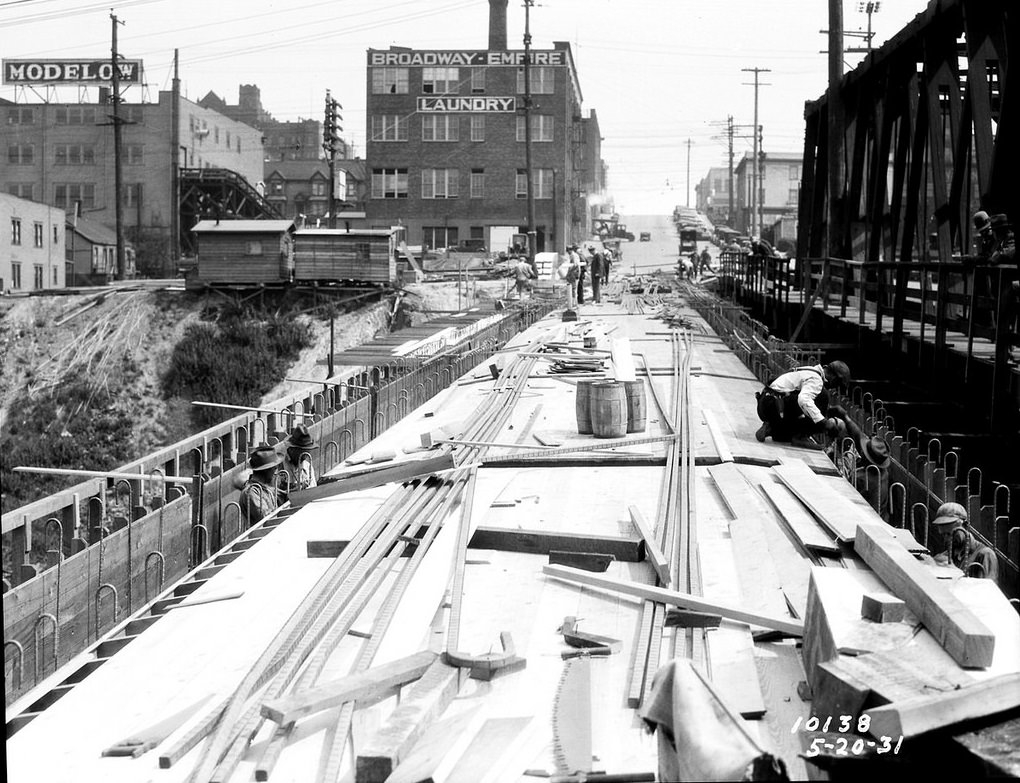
[
  {"x": 688, "y": 171},
  {"x": 175, "y": 166},
  {"x": 532, "y": 233},
  {"x": 761, "y": 184},
  {"x": 755, "y": 230},
  {"x": 834, "y": 110},
  {"x": 117, "y": 172},
  {"x": 729, "y": 132},
  {"x": 330, "y": 135}
]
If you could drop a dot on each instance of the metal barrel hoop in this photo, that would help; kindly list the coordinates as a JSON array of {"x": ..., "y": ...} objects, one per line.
[
  {"x": 419, "y": 399},
  {"x": 898, "y": 490},
  {"x": 971, "y": 474},
  {"x": 379, "y": 421},
  {"x": 1000, "y": 500},
  {"x": 330, "y": 454},
  {"x": 179, "y": 492},
  {"x": 197, "y": 461},
  {"x": 94, "y": 514},
  {"x": 36, "y": 638},
  {"x": 117, "y": 492},
  {"x": 200, "y": 528},
  {"x": 257, "y": 423},
  {"x": 866, "y": 400},
  {"x": 106, "y": 587},
  {"x": 955, "y": 461},
  {"x": 890, "y": 422},
  {"x": 935, "y": 454},
  {"x": 60, "y": 539},
  {"x": 919, "y": 509},
  {"x": 241, "y": 438},
  {"x": 872, "y": 472},
  {"x": 162, "y": 572},
  {"x": 216, "y": 459},
  {"x": 876, "y": 405},
  {"x": 914, "y": 437},
  {"x": 21, "y": 662},
  {"x": 240, "y": 519},
  {"x": 319, "y": 403},
  {"x": 343, "y": 452}
]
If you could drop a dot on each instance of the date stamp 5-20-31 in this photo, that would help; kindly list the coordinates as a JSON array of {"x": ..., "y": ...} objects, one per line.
[{"x": 852, "y": 745}]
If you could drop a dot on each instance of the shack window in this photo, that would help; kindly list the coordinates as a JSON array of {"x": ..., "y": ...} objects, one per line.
[{"x": 253, "y": 248}]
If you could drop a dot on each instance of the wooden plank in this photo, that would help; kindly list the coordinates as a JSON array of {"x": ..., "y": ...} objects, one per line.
[
  {"x": 912, "y": 717},
  {"x": 496, "y": 742},
  {"x": 684, "y": 600},
  {"x": 761, "y": 589},
  {"x": 652, "y": 552},
  {"x": 420, "y": 705},
  {"x": 365, "y": 685},
  {"x": 398, "y": 471},
  {"x": 589, "y": 561},
  {"x": 968, "y": 640},
  {"x": 798, "y": 520},
  {"x": 440, "y": 743},
  {"x": 623, "y": 359},
  {"x": 740, "y": 497},
  {"x": 628, "y": 549},
  {"x": 836, "y": 512},
  {"x": 882, "y": 608},
  {"x": 721, "y": 447}
]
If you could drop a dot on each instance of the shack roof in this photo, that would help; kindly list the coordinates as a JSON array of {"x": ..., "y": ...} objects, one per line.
[
  {"x": 360, "y": 232},
  {"x": 243, "y": 226}
]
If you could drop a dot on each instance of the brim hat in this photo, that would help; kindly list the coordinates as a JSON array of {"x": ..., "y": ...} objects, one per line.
[
  {"x": 840, "y": 371},
  {"x": 263, "y": 458},
  {"x": 981, "y": 221},
  {"x": 875, "y": 450},
  {"x": 950, "y": 514},
  {"x": 999, "y": 221},
  {"x": 301, "y": 439}
]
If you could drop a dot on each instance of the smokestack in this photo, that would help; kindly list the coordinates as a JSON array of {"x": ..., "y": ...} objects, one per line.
[{"x": 497, "y": 25}]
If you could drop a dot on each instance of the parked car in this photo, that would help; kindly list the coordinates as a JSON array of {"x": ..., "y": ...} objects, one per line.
[{"x": 646, "y": 236}]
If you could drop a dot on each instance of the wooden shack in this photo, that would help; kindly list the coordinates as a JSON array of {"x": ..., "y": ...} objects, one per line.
[
  {"x": 359, "y": 255},
  {"x": 243, "y": 252}
]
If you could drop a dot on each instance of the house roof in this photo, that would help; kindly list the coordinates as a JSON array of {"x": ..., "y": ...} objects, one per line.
[
  {"x": 92, "y": 230},
  {"x": 296, "y": 170},
  {"x": 354, "y": 232},
  {"x": 244, "y": 226}
]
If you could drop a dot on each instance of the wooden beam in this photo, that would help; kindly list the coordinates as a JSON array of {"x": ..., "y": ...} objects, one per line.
[
  {"x": 589, "y": 561},
  {"x": 364, "y": 685},
  {"x": 425, "y": 701},
  {"x": 652, "y": 551},
  {"x": 623, "y": 359},
  {"x": 838, "y": 513},
  {"x": 798, "y": 520},
  {"x": 721, "y": 447},
  {"x": 683, "y": 600},
  {"x": 968, "y": 640},
  {"x": 882, "y": 608},
  {"x": 397, "y": 471},
  {"x": 539, "y": 542},
  {"x": 912, "y": 717}
]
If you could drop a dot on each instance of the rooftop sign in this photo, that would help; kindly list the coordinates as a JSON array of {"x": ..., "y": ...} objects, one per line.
[
  {"x": 69, "y": 71},
  {"x": 464, "y": 58},
  {"x": 474, "y": 104}
]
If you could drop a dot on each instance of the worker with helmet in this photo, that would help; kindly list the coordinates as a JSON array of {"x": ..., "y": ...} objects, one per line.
[
  {"x": 790, "y": 407},
  {"x": 962, "y": 548}
]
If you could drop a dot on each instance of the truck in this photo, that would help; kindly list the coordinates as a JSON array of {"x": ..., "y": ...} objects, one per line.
[{"x": 688, "y": 240}]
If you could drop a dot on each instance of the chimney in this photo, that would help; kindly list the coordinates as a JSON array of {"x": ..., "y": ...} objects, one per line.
[{"x": 497, "y": 25}]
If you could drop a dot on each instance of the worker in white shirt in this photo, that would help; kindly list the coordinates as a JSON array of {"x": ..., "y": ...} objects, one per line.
[{"x": 789, "y": 406}]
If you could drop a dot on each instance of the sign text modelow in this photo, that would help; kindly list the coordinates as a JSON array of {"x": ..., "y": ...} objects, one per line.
[{"x": 69, "y": 71}]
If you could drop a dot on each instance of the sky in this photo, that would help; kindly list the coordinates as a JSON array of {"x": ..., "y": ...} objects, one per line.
[{"x": 658, "y": 73}]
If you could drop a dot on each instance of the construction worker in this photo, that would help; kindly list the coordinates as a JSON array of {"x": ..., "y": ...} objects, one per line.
[
  {"x": 597, "y": 268},
  {"x": 582, "y": 268},
  {"x": 297, "y": 459},
  {"x": 962, "y": 547},
  {"x": 259, "y": 496},
  {"x": 861, "y": 461},
  {"x": 789, "y": 409},
  {"x": 572, "y": 275},
  {"x": 522, "y": 275}
]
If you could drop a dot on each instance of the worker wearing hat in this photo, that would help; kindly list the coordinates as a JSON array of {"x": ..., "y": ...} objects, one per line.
[
  {"x": 962, "y": 548},
  {"x": 297, "y": 459},
  {"x": 1004, "y": 249},
  {"x": 788, "y": 407},
  {"x": 867, "y": 460},
  {"x": 259, "y": 496}
]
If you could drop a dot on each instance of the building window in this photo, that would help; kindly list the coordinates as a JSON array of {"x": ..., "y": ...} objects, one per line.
[
  {"x": 389, "y": 81},
  {"x": 37, "y": 234},
  {"x": 793, "y": 197},
  {"x": 24, "y": 190},
  {"x": 21, "y": 115},
  {"x": 542, "y": 181},
  {"x": 477, "y": 127},
  {"x": 541, "y": 127},
  {"x": 440, "y": 80},
  {"x": 75, "y": 155},
  {"x": 389, "y": 127},
  {"x": 133, "y": 194},
  {"x": 253, "y": 248},
  {"x": 389, "y": 183},
  {"x": 542, "y": 78},
  {"x": 216, "y": 134},
  {"x": 21, "y": 154},
  {"x": 133, "y": 154},
  {"x": 65, "y": 195},
  {"x": 477, "y": 183},
  {"x": 794, "y": 173},
  {"x": 477, "y": 80},
  {"x": 76, "y": 115},
  {"x": 440, "y": 127},
  {"x": 133, "y": 114},
  {"x": 56, "y": 235},
  {"x": 228, "y": 140},
  {"x": 55, "y": 281},
  {"x": 38, "y": 281},
  {"x": 275, "y": 187},
  {"x": 440, "y": 183},
  {"x": 15, "y": 275},
  {"x": 318, "y": 188},
  {"x": 15, "y": 231},
  {"x": 439, "y": 236}
]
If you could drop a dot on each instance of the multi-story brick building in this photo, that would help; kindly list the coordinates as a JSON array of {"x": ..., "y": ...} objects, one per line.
[
  {"x": 62, "y": 154},
  {"x": 712, "y": 195},
  {"x": 31, "y": 245},
  {"x": 780, "y": 182},
  {"x": 446, "y": 142}
]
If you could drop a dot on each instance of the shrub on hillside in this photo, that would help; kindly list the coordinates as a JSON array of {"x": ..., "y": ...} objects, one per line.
[{"x": 233, "y": 361}]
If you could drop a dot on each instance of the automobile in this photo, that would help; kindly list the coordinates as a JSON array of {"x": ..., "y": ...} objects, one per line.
[{"x": 646, "y": 236}]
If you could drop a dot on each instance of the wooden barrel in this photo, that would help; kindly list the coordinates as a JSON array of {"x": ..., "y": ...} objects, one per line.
[
  {"x": 582, "y": 406},
  {"x": 636, "y": 417},
  {"x": 608, "y": 409}
]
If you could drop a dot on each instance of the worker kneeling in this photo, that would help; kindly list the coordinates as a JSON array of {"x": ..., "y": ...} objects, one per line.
[
  {"x": 962, "y": 547},
  {"x": 791, "y": 406}
]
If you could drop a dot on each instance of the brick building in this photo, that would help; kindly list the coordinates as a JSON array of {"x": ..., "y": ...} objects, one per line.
[
  {"x": 712, "y": 195},
  {"x": 781, "y": 181},
  {"x": 31, "y": 245},
  {"x": 446, "y": 150}
]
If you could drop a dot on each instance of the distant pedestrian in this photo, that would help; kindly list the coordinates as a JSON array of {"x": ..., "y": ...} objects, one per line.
[
  {"x": 705, "y": 265},
  {"x": 582, "y": 268},
  {"x": 788, "y": 407},
  {"x": 695, "y": 263},
  {"x": 523, "y": 274},
  {"x": 259, "y": 496},
  {"x": 962, "y": 548},
  {"x": 597, "y": 269},
  {"x": 572, "y": 276},
  {"x": 297, "y": 459}
]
